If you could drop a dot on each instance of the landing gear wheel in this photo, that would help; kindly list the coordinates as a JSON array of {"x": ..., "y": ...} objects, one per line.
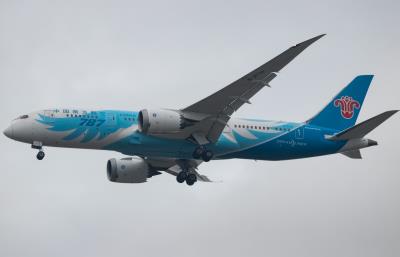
[
  {"x": 198, "y": 152},
  {"x": 191, "y": 179},
  {"x": 181, "y": 177},
  {"x": 40, "y": 155},
  {"x": 207, "y": 155}
]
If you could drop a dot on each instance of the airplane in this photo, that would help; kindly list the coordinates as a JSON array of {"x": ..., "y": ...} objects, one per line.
[{"x": 177, "y": 141}]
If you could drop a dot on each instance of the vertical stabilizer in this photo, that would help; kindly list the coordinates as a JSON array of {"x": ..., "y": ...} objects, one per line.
[{"x": 342, "y": 111}]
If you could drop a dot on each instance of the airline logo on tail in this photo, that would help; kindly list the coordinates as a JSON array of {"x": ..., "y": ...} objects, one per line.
[{"x": 347, "y": 105}]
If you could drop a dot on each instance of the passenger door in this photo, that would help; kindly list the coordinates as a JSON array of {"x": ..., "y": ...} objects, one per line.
[{"x": 299, "y": 133}]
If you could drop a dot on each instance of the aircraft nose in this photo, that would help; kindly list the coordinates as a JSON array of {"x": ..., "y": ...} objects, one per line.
[{"x": 8, "y": 132}]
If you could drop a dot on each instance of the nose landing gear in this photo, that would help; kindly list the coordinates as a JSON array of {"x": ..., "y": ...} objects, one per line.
[
  {"x": 40, "y": 155},
  {"x": 38, "y": 145}
]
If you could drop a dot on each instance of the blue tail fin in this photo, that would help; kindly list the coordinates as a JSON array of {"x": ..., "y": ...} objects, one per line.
[{"x": 342, "y": 112}]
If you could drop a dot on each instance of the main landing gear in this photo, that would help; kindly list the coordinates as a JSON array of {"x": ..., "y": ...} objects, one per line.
[
  {"x": 189, "y": 177},
  {"x": 187, "y": 174},
  {"x": 38, "y": 145},
  {"x": 202, "y": 153}
]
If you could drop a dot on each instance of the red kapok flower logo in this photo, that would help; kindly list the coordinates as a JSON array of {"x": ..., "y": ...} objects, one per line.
[{"x": 347, "y": 105}]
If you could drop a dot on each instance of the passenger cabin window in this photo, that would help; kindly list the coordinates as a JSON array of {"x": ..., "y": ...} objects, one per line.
[{"x": 260, "y": 127}]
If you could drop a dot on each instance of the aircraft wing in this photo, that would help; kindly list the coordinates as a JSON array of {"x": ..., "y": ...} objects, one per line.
[{"x": 219, "y": 106}]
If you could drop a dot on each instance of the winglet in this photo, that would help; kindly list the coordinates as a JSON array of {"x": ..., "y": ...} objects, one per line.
[
  {"x": 280, "y": 61},
  {"x": 309, "y": 41}
]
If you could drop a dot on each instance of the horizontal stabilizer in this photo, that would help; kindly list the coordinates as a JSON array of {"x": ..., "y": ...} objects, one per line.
[
  {"x": 362, "y": 129},
  {"x": 353, "y": 154}
]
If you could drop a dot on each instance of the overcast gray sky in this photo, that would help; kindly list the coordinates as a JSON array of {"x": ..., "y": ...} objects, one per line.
[{"x": 148, "y": 54}]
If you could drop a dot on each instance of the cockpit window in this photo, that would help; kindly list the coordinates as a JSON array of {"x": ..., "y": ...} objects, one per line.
[{"x": 23, "y": 117}]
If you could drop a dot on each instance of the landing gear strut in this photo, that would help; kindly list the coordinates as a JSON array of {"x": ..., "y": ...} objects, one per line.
[{"x": 203, "y": 153}]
